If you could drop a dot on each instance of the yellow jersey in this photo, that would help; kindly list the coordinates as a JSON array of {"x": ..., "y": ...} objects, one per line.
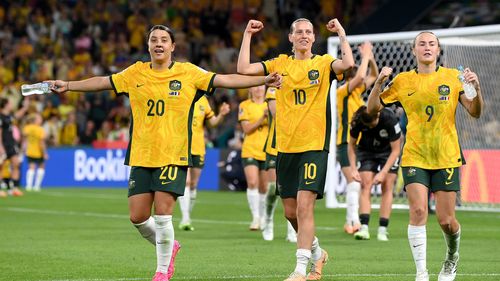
[
  {"x": 202, "y": 112},
  {"x": 347, "y": 104},
  {"x": 253, "y": 144},
  {"x": 69, "y": 134},
  {"x": 270, "y": 147},
  {"x": 162, "y": 105},
  {"x": 430, "y": 101},
  {"x": 303, "y": 121},
  {"x": 34, "y": 135}
]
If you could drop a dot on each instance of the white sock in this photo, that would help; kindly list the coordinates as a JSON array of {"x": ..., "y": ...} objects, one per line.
[
  {"x": 30, "y": 174},
  {"x": 271, "y": 200},
  {"x": 303, "y": 257},
  {"x": 253, "y": 202},
  {"x": 315, "y": 250},
  {"x": 147, "y": 230},
  {"x": 40, "y": 173},
  {"x": 453, "y": 243},
  {"x": 352, "y": 201},
  {"x": 417, "y": 236},
  {"x": 184, "y": 205},
  {"x": 164, "y": 241},
  {"x": 262, "y": 206},
  {"x": 290, "y": 229},
  {"x": 192, "y": 197}
]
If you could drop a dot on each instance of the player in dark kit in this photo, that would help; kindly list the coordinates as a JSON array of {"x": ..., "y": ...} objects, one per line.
[{"x": 376, "y": 141}]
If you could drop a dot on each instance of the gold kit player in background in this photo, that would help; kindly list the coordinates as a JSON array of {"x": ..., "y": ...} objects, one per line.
[
  {"x": 202, "y": 113},
  {"x": 349, "y": 99},
  {"x": 303, "y": 125},
  {"x": 36, "y": 152},
  {"x": 431, "y": 156},
  {"x": 162, "y": 94}
]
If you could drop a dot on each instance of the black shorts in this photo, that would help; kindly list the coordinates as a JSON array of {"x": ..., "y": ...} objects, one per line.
[
  {"x": 38, "y": 161},
  {"x": 261, "y": 164},
  {"x": 270, "y": 161},
  {"x": 435, "y": 180},
  {"x": 11, "y": 150},
  {"x": 374, "y": 162}
]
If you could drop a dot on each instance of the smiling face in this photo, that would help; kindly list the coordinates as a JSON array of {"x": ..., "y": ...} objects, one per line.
[
  {"x": 302, "y": 35},
  {"x": 160, "y": 46},
  {"x": 426, "y": 48}
]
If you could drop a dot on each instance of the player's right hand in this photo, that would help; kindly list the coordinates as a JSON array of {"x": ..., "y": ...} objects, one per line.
[
  {"x": 365, "y": 49},
  {"x": 58, "y": 86},
  {"x": 355, "y": 175},
  {"x": 274, "y": 80},
  {"x": 384, "y": 74},
  {"x": 224, "y": 109},
  {"x": 254, "y": 26}
]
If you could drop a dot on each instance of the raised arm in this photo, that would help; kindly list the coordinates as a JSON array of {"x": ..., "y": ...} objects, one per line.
[
  {"x": 237, "y": 81},
  {"x": 474, "y": 106},
  {"x": 373, "y": 73},
  {"x": 347, "y": 60},
  {"x": 223, "y": 111},
  {"x": 244, "y": 66},
  {"x": 98, "y": 83},
  {"x": 373, "y": 105},
  {"x": 359, "y": 78}
]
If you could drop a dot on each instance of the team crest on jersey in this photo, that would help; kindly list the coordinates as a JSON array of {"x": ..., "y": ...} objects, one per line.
[
  {"x": 444, "y": 90},
  {"x": 383, "y": 133},
  {"x": 313, "y": 74},
  {"x": 412, "y": 172},
  {"x": 131, "y": 184},
  {"x": 175, "y": 85}
]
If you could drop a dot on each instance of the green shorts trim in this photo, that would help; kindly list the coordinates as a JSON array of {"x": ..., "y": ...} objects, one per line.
[
  {"x": 436, "y": 180},
  {"x": 198, "y": 161},
  {"x": 171, "y": 179},
  {"x": 270, "y": 161},
  {"x": 342, "y": 156},
  {"x": 37, "y": 161},
  {"x": 301, "y": 171},
  {"x": 254, "y": 162}
]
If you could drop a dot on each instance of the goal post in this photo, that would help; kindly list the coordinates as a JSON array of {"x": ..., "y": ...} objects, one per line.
[{"x": 475, "y": 47}]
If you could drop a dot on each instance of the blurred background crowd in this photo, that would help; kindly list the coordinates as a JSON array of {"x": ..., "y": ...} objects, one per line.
[{"x": 71, "y": 40}]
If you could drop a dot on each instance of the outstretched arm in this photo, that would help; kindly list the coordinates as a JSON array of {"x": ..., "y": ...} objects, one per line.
[
  {"x": 474, "y": 106},
  {"x": 237, "y": 81},
  {"x": 373, "y": 105},
  {"x": 347, "y": 61},
  {"x": 98, "y": 83},
  {"x": 244, "y": 66}
]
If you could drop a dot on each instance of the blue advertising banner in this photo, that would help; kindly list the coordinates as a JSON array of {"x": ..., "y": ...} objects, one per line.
[{"x": 89, "y": 167}]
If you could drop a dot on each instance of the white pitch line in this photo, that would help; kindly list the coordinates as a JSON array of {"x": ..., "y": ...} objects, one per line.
[
  {"x": 118, "y": 216},
  {"x": 261, "y": 277}
]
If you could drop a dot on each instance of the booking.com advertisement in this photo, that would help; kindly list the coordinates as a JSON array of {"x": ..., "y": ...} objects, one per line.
[{"x": 89, "y": 167}]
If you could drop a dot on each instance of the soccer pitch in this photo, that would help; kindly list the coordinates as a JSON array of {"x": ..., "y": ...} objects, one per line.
[{"x": 85, "y": 235}]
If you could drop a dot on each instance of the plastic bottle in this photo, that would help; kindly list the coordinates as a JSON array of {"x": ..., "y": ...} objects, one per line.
[
  {"x": 469, "y": 90},
  {"x": 35, "y": 89}
]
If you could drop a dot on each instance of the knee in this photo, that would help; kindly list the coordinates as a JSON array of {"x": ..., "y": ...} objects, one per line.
[
  {"x": 446, "y": 221},
  {"x": 252, "y": 182},
  {"x": 290, "y": 214},
  {"x": 419, "y": 212},
  {"x": 137, "y": 218}
]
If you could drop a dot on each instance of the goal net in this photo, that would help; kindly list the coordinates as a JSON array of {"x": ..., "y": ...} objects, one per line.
[{"x": 475, "y": 47}]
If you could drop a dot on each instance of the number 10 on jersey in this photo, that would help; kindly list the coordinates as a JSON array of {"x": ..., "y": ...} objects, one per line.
[{"x": 300, "y": 96}]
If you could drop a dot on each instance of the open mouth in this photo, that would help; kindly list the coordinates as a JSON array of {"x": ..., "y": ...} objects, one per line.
[{"x": 158, "y": 51}]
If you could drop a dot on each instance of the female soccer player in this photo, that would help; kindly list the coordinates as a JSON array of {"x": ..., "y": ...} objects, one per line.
[
  {"x": 253, "y": 116},
  {"x": 36, "y": 152},
  {"x": 202, "y": 113},
  {"x": 348, "y": 101},
  {"x": 161, "y": 93},
  {"x": 431, "y": 156},
  {"x": 376, "y": 140},
  {"x": 302, "y": 129}
]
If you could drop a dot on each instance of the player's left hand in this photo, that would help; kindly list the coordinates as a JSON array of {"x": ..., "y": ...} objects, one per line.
[
  {"x": 471, "y": 77},
  {"x": 335, "y": 26},
  {"x": 224, "y": 109},
  {"x": 274, "y": 80},
  {"x": 379, "y": 177}
]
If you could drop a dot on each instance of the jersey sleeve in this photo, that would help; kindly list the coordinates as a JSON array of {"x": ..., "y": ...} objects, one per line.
[
  {"x": 243, "y": 113},
  {"x": 329, "y": 59},
  {"x": 121, "y": 80},
  {"x": 209, "y": 113},
  {"x": 390, "y": 94},
  {"x": 270, "y": 94},
  {"x": 394, "y": 127},
  {"x": 354, "y": 131},
  {"x": 203, "y": 80},
  {"x": 271, "y": 65}
]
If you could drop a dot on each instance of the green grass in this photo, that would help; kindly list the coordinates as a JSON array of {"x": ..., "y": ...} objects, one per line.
[{"x": 85, "y": 234}]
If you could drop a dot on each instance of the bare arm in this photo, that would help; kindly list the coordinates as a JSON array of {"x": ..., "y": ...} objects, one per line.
[
  {"x": 351, "y": 153},
  {"x": 249, "y": 128},
  {"x": 395, "y": 149},
  {"x": 98, "y": 83},
  {"x": 20, "y": 113},
  {"x": 360, "y": 76},
  {"x": 237, "y": 81},
  {"x": 223, "y": 111},
  {"x": 373, "y": 73},
  {"x": 244, "y": 66},
  {"x": 373, "y": 105},
  {"x": 474, "y": 106},
  {"x": 347, "y": 61},
  {"x": 271, "y": 104}
]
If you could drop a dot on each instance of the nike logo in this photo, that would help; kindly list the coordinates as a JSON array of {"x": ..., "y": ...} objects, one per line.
[
  {"x": 415, "y": 246},
  {"x": 165, "y": 182},
  {"x": 284, "y": 74},
  {"x": 310, "y": 182},
  {"x": 139, "y": 85},
  {"x": 411, "y": 94},
  {"x": 448, "y": 182}
]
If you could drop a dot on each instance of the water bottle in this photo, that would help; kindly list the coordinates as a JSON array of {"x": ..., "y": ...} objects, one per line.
[
  {"x": 35, "y": 89},
  {"x": 469, "y": 90}
]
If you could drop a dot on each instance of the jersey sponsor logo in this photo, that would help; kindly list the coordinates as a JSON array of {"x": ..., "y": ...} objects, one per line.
[
  {"x": 175, "y": 85},
  {"x": 411, "y": 172},
  {"x": 448, "y": 182},
  {"x": 310, "y": 182},
  {"x": 444, "y": 90},
  {"x": 383, "y": 133},
  {"x": 139, "y": 85},
  {"x": 165, "y": 182},
  {"x": 313, "y": 74},
  {"x": 411, "y": 94},
  {"x": 284, "y": 74}
]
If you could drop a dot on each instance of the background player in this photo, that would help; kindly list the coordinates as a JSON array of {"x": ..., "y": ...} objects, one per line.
[
  {"x": 431, "y": 156},
  {"x": 36, "y": 152},
  {"x": 376, "y": 140}
]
